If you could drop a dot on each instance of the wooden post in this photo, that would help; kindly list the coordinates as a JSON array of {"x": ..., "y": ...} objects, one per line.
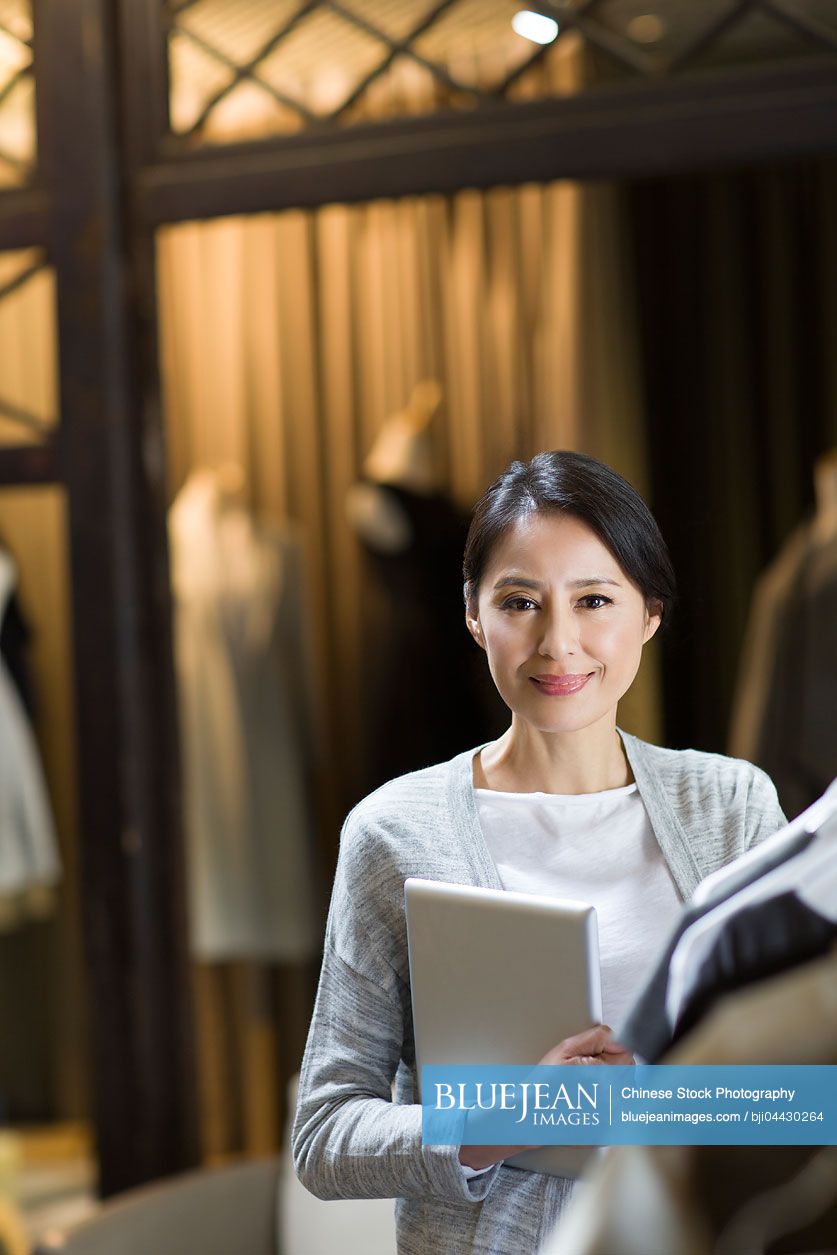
[{"x": 111, "y": 461}]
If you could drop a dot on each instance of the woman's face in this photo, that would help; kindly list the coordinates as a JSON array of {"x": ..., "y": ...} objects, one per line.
[{"x": 562, "y": 625}]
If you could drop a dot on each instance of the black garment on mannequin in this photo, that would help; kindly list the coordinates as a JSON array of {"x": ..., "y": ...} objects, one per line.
[{"x": 428, "y": 691}]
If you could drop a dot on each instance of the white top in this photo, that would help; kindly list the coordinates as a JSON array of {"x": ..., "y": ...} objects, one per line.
[{"x": 598, "y": 848}]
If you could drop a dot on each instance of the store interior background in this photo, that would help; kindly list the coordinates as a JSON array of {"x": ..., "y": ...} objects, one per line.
[{"x": 679, "y": 328}]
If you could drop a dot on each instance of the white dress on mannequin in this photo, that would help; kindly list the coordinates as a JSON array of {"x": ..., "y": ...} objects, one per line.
[{"x": 245, "y": 730}]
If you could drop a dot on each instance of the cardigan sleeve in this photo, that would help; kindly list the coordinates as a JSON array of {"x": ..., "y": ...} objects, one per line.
[
  {"x": 764, "y": 814},
  {"x": 350, "y": 1139}
]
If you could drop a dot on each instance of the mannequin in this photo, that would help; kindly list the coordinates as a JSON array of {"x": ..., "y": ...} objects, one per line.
[
  {"x": 247, "y": 721},
  {"x": 248, "y": 741},
  {"x": 402, "y": 455},
  {"x": 786, "y": 693},
  {"x": 419, "y": 663}
]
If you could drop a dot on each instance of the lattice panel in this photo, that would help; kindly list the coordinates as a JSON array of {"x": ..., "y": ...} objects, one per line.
[
  {"x": 17, "y": 93},
  {"x": 28, "y": 387},
  {"x": 244, "y": 68}
]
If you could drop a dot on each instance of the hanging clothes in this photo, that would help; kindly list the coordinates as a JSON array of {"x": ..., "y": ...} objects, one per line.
[
  {"x": 763, "y": 913},
  {"x": 716, "y": 1200},
  {"x": 247, "y": 729},
  {"x": 777, "y": 922},
  {"x": 755, "y": 942},
  {"x": 29, "y": 859},
  {"x": 786, "y": 693}
]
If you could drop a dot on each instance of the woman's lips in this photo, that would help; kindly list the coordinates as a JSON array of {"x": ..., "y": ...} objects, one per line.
[{"x": 560, "y": 685}]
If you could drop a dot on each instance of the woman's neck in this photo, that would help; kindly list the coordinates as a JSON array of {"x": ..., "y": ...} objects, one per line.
[{"x": 526, "y": 760}]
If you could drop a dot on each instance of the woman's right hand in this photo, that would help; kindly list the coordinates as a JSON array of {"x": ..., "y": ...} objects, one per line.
[{"x": 594, "y": 1045}]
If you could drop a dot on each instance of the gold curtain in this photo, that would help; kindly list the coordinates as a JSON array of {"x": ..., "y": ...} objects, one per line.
[{"x": 287, "y": 340}]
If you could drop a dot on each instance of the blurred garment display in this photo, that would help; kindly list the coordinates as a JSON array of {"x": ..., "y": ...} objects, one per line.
[
  {"x": 773, "y": 913},
  {"x": 720, "y": 1200},
  {"x": 786, "y": 695},
  {"x": 776, "y": 923},
  {"x": 29, "y": 858},
  {"x": 428, "y": 693},
  {"x": 247, "y": 728},
  {"x": 754, "y": 942},
  {"x": 637, "y": 1200}
]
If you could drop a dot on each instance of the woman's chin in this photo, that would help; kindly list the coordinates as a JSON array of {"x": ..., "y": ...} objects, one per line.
[{"x": 558, "y": 723}]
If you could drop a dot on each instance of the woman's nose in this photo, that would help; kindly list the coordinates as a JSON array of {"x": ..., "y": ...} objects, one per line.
[{"x": 559, "y": 633}]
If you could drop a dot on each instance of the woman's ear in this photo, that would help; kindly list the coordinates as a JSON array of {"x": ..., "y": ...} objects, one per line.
[
  {"x": 653, "y": 618},
  {"x": 474, "y": 626}
]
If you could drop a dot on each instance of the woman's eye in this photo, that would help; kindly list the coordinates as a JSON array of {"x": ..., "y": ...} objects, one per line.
[
  {"x": 518, "y": 603},
  {"x": 605, "y": 601}
]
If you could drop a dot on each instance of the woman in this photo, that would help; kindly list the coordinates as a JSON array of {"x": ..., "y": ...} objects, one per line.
[{"x": 566, "y": 579}]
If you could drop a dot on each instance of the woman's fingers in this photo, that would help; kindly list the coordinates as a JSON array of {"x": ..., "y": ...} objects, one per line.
[
  {"x": 594, "y": 1045},
  {"x": 591, "y": 1042},
  {"x": 615, "y": 1052},
  {"x": 618, "y": 1058}
]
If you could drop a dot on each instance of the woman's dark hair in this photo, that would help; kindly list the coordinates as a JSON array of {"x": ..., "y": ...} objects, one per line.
[{"x": 576, "y": 484}]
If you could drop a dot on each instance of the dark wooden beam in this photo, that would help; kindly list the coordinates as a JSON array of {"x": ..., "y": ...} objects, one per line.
[
  {"x": 131, "y": 851},
  {"x": 29, "y": 464},
  {"x": 732, "y": 118},
  {"x": 23, "y": 217},
  {"x": 143, "y": 36}
]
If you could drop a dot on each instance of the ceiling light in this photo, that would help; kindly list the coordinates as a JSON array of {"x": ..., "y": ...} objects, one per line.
[{"x": 534, "y": 26}]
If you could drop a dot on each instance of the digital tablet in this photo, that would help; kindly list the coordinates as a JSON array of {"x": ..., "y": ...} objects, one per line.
[{"x": 501, "y": 977}]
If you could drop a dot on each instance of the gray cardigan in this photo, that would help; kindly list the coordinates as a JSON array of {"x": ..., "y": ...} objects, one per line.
[{"x": 350, "y": 1140}]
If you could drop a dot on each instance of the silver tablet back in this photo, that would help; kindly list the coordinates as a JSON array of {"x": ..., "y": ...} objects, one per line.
[{"x": 500, "y": 977}]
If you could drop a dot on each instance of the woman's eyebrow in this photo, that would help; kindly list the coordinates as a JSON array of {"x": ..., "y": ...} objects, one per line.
[
  {"x": 586, "y": 582},
  {"x": 594, "y": 579},
  {"x": 522, "y": 582},
  {"x": 519, "y": 580}
]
